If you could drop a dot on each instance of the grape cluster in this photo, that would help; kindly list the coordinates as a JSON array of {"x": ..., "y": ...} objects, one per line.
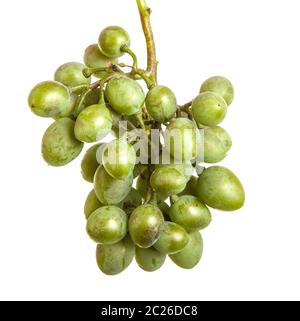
[{"x": 139, "y": 209}]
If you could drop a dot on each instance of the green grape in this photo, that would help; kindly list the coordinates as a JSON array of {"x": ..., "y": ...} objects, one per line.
[
  {"x": 145, "y": 224},
  {"x": 209, "y": 109},
  {"x": 189, "y": 212},
  {"x": 114, "y": 259},
  {"x": 185, "y": 168},
  {"x": 89, "y": 163},
  {"x": 71, "y": 74},
  {"x": 214, "y": 149},
  {"x": 150, "y": 259},
  {"x": 111, "y": 40},
  {"x": 107, "y": 225},
  {"x": 191, "y": 255},
  {"x": 70, "y": 111},
  {"x": 219, "y": 188},
  {"x": 167, "y": 181},
  {"x": 59, "y": 144},
  {"x": 190, "y": 187},
  {"x": 161, "y": 103},
  {"x": 92, "y": 98},
  {"x": 222, "y": 134},
  {"x": 118, "y": 158},
  {"x": 142, "y": 186},
  {"x": 93, "y": 123},
  {"x": 111, "y": 191},
  {"x": 91, "y": 204},
  {"x": 173, "y": 239},
  {"x": 132, "y": 201},
  {"x": 182, "y": 139},
  {"x": 94, "y": 58},
  {"x": 125, "y": 95},
  {"x": 49, "y": 99},
  {"x": 221, "y": 86}
]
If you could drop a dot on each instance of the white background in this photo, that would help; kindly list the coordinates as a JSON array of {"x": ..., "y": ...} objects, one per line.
[{"x": 250, "y": 254}]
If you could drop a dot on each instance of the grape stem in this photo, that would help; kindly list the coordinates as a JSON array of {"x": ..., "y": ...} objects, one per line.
[
  {"x": 186, "y": 107},
  {"x": 152, "y": 63}
]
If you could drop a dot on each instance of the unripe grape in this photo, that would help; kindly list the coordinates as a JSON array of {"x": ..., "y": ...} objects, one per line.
[
  {"x": 214, "y": 149},
  {"x": 173, "y": 239},
  {"x": 118, "y": 158},
  {"x": 93, "y": 123},
  {"x": 191, "y": 255},
  {"x": 145, "y": 224},
  {"x": 185, "y": 168},
  {"x": 132, "y": 201},
  {"x": 111, "y": 40},
  {"x": 167, "y": 181},
  {"x": 107, "y": 225},
  {"x": 59, "y": 144},
  {"x": 190, "y": 187},
  {"x": 161, "y": 103},
  {"x": 111, "y": 191},
  {"x": 89, "y": 163},
  {"x": 49, "y": 99},
  {"x": 209, "y": 109},
  {"x": 150, "y": 259},
  {"x": 94, "y": 58},
  {"x": 221, "y": 86},
  {"x": 71, "y": 74},
  {"x": 125, "y": 95},
  {"x": 189, "y": 212},
  {"x": 222, "y": 134},
  {"x": 91, "y": 204},
  {"x": 182, "y": 139},
  {"x": 219, "y": 188},
  {"x": 70, "y": 111},
  {"x": 114, "y": 259}
]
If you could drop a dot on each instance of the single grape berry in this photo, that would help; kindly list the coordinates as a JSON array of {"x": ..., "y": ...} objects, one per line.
[
  {"x": 125, "y": 95},
  {"x": 132, "y": 201},
  {"x": 173, "y": 239},
  {"x": 222, "y": 134},
  {"x": 150, "y": 259},
  {"x": 111, "y": 191},
  {"x": 182, "y": 139},
  {"x": 190, "y": 187},
  {"x": 161, "y": 103},
  {"x": 221, "y": 86},
  {"x": 91, "y": 204},
  {"x": 118, "y": 158},
  {"x": 167, "y": 181},
  {"x": 189, "y": 212},
  {"x": 111, "y": 41},
  {"x": 89, "y": 163},
  {"x": 59, "y": 144},
  {"x": 191, "y": 255},
  {"x": 93, "y": 123},
  {"x": 107, "y": 225},
  {"x": 145, "y": 225},
  {"x": 209, "y": 109},
  {"x": 71, "y": 74},
  {"x": 214, "y": 149},
  {"x": 49, "y": 99},
  {"x": 94, "y": 58},
  {"x": 114, "y": 259},
  {"x": 219, "y": 188}
]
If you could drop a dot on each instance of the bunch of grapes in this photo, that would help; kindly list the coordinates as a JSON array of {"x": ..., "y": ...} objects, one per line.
[{"x": 142, "y": 207}]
